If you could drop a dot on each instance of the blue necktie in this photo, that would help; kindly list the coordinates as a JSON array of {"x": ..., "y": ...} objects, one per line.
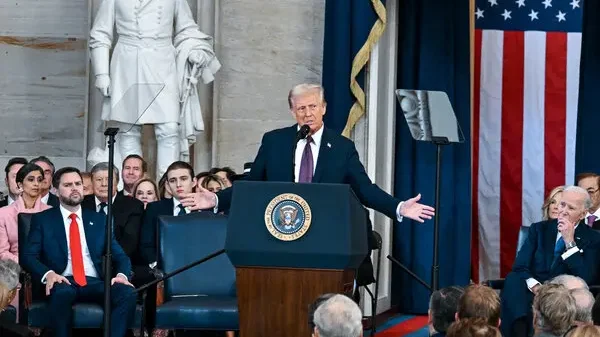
[
  {"x": 560, "y": 247},
  {"x": 181, "y": 210}
]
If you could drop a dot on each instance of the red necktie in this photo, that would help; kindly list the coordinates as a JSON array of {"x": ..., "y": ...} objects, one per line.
[{"x": 76, "y": 255}]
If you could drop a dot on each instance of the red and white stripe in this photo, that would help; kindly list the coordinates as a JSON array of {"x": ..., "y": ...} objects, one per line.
[{"x": 524, "y": 123}]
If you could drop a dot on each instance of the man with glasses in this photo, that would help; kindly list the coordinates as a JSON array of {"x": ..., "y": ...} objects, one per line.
[{"x": 590, "y": 182}]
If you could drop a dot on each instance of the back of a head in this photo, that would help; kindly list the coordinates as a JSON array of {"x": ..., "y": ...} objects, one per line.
[
  {"x": 443, "y": 305},
  {"x": 570, "y": 281},
  {"x": 9, "y": 280},
  {"x": 554, "y": 309},
  {"x": 472, "y": 327},
  {"x": 338, "y": 316},
  {"x": 480, "y": 301},
  {"x": 585, "y": 331},
  {"x": 584, "y": 301}
]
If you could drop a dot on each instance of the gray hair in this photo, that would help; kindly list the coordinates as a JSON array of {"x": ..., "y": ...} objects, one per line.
[
  {"x": 9, "y": 274},
  {"x": 103, "y": 166},
  {"x": 587, "y": 201},
  {"x": 584, "y": 301},
  {"x": 554, "y": 309},
  {"x": 570, "y": 281},
  {"x": 339, "y": 316},
  {"x": 302, "y": 89}
]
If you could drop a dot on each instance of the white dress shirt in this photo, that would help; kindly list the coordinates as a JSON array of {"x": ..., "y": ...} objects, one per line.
[
  {"x": 98, "y": 202},
  {"x": 531, "y": 282},
  {"x": 45, "y": 198}
]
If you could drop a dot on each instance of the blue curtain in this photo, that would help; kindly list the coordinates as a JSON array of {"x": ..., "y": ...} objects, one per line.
[
  {"x": 347, "y": 26},
  {"x": 433, "y": 54},
  {"x": 588, "y": 117}
]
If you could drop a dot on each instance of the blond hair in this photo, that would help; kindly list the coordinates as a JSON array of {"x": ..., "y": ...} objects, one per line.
[
  {"x": 479, "y": 301},
  {"x": 302, "y": 89},
  {"x": 9, "y": 280},
  {"x": 588, "y": 330},
  {"x": 548, "y": 201},
  {"x": 472, "y": 327},
  {"x": 554, "y": 309}
]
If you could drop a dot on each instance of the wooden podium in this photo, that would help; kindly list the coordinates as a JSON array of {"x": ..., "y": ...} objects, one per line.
[{"x": 291, "y": 243}]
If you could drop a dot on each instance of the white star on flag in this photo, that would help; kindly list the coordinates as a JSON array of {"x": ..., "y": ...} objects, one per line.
[
  {"x": 479, "y": 13},
  {"x": 574, "y": 3},
  {"x": 561, "y": 16},
  {"x": 521, "y": 3},
  {"x": 506, "y": 15},
  {"x": 493, "y": 2},
  {"x": 533, "y": 15},
  {"x": 547, "y": 3}
]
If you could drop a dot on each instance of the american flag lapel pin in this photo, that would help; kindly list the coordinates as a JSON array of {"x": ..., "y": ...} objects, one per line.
[
  {"x": 91, "y": 223},
  {"x": 329, "y": 145}
]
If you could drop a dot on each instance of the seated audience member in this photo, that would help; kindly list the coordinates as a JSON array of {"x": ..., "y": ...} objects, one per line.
[
  {"x": 570, "y": 281},
  {"x": 552, "y": 248},
  {"x": 212, "y": 183},
  {"x": 443, "y": 305},
  {"x": 163, "y": 188},
  {"x": 585, "y": 331},
  {"x": 313, "y": 307},
  {"x": 226, "y": 174},
  {"x": 146, "y": 191},
  {"x": 11, "y": 169},
  {"x": 200, "y": 177},
  {"x": 472, "y": 327},
  {"x": 28, "y": 179},
  {"x": 134, "y": 168},
  {"x": 554, "y": 311},
  {"x": 338, "y": 316},
  {"x": 550, "y": 207},
  {"x": 584, "y": 301},
  {"x": 127, "y": 212},
  {"x": 48, "y": 168},
  {"x": 88, "y": 189},
  {"x": 65, "y": 251},
  {"x": 181, "y": 180},
  {"x": 479, "y": 301},
  {"x": 9, "y": 282},
  {"x": 590, "y": 183}
]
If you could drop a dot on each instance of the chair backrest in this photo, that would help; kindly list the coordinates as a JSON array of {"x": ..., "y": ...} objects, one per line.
[
  {"x": 24, "y": 224},
  {"x": 523, "y": 233},
  {"x": 186, "y": 239}
]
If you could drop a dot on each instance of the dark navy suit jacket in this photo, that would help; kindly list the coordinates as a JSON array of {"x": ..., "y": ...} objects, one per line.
[
  {"x": 148, "y": 241},
  {"x": 46, "y": 247},
  {"x": 338, "y": 163},
  {"x": 536, "y": 260}
]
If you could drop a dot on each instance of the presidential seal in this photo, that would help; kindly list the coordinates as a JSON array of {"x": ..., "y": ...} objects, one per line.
[{"x": 288, "y": 217}]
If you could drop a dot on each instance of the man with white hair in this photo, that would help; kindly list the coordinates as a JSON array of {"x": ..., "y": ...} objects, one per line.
[
  {"x": 9, "y": 280},
  {"x": 553, "y": 247},
  {"x": 570, "y": 281},
  {"x": 584, "y": 301},
  {"x": 338, "y": 316}
]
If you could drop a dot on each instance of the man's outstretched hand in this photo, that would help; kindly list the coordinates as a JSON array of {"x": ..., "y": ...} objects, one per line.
[
  {"x": 418, "y": 212},
  {"x": 202, "y": 199}
]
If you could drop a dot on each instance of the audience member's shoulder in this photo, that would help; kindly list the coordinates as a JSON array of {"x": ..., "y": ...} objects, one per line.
[{"x": 156, "y": 204}]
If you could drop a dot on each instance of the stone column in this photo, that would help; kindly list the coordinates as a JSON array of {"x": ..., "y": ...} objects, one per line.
[{"x": 265, "y": 47}]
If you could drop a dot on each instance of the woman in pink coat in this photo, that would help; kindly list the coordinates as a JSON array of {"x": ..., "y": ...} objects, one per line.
[{"x": 28, "y": 179}]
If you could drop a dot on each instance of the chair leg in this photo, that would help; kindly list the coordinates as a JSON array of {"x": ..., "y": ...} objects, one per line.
[{"x": 376, "y": 295}]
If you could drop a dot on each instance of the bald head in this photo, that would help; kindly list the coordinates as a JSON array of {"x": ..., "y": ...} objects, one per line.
[
  {"x": 584, "y": 301},
  {"x": 570, "y": 282}
]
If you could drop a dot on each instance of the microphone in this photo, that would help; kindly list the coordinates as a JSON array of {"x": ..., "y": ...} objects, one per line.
[{"x": 301, "y": 134}]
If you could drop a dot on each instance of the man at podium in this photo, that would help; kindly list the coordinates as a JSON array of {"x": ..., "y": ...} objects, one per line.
[{"x": 309, "y": 152}]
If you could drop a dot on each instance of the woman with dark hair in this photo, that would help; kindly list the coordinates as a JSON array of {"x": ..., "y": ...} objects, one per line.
[
  {"x": 29, "y": 178},
  {"x": 163, "y": 188},
  {"x": 146, "y": 191}
]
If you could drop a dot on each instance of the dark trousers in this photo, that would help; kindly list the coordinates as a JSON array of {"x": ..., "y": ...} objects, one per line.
[
  {"x": 63, "y": 296},
  {"x": 141, "y": 276}
]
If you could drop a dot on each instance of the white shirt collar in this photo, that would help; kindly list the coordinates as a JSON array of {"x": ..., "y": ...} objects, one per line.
[
  {"x": 98, "y": 200},
  {"x": 176, "y": 204},
  {"x": 66, "y": 213},
  {"x": 10, "y": 200},
  {"x": 45, "y": 198},
  {"x": 317, "y": 136}
]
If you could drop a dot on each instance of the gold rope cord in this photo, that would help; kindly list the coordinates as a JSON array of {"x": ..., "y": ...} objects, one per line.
[{"x": 360, "y": 60}]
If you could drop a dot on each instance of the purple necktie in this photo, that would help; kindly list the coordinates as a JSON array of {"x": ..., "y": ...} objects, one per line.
[
  {"x": 306, "y": 164},
  {"x": 590, "y": 220}
]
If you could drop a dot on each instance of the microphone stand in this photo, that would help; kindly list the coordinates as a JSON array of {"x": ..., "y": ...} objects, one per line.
[{"x": 111, "y": 133}]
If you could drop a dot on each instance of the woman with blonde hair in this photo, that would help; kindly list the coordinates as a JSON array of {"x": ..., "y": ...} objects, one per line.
[{"x": 550, "y": 207}]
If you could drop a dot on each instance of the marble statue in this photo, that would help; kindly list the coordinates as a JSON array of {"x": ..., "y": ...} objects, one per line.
[{"x": 159, "y": 56}]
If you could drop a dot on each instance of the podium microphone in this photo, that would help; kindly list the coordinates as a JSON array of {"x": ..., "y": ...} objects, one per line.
[{"x": 301, "y": 134}]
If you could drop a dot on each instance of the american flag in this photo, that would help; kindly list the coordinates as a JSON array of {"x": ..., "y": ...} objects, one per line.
[{"x": 526, "y": 84}]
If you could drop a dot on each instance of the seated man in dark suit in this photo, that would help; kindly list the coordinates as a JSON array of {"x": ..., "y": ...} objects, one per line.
[
  {"x": 11, "y": 169},
  {"x": 443, "y": 305},
  {"x": 554, "y": 247},
  {"x": 48, "y": 167},
  {"x": 591, "y": 183},
  {"x": 65, "y": 251},
  {"x": 181, "y": 181}
]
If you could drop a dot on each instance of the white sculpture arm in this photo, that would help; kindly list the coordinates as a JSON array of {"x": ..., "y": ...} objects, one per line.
[
  {"x": 187, "y": 31},
  {"x": 101, "y": 39}
]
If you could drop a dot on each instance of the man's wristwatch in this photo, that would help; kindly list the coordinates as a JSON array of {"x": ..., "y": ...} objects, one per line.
[{"x": 570, "y": 245}]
